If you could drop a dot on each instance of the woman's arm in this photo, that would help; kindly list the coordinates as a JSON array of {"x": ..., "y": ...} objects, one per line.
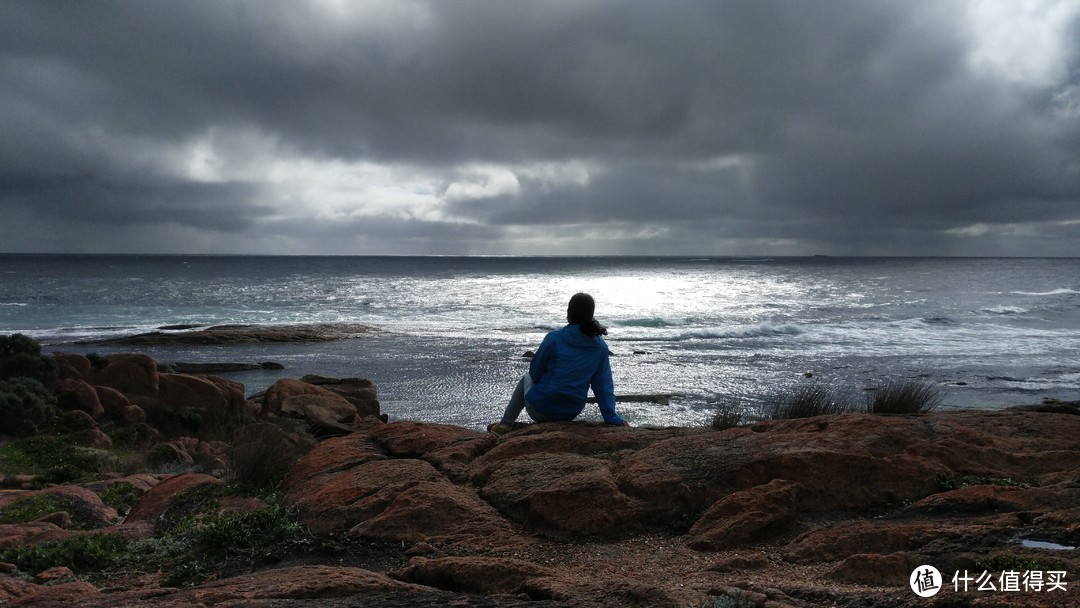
[
  {"x": 603, "y": 388},
  {"x": 539, "y": 364}
]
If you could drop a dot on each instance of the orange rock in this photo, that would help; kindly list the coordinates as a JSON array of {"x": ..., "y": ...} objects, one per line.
[
  {"x": 284, "y": 388},
  {"x": 81, "y": 396},
  {"x": 113, "y": 402},
  {"x": 562, "y": 495},
  {"x": 131, "y": 374},
  {"x": 439, "y": 512},
  {"x": 65, "y": 594},
  {"x": 747, "y": 516},
  {"x": 158, "y": 499},
  {"x": 487, "y": 575}
]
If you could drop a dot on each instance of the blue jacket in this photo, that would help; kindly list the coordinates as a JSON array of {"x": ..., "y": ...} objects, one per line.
[{"x": 564, "y": 367}]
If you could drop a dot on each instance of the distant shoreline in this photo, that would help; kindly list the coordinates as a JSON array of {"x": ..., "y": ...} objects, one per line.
[{"x": 236, "y": 334}]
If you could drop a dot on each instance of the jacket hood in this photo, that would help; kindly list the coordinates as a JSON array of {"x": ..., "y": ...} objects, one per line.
[{"x": 571, "y": 334}]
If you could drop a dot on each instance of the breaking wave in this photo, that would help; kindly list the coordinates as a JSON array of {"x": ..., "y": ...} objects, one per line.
[{"x": 1055, "y": 292}]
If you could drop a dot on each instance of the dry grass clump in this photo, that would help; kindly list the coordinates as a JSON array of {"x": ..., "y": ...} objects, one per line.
[
  {"x": 904, "y": 397},
  {"x": 807, "y": 401},
  {"x": 727, "y": 416},
  {"x": 261, "y": 455},
  {"x": 823, "y": 399}
]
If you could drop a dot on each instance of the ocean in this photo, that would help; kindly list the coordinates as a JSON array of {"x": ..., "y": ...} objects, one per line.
[{"x": 451, "y": 332}]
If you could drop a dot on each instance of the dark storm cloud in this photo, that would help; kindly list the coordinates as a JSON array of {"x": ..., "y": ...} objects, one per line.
[{"x": 714, "y": 127}]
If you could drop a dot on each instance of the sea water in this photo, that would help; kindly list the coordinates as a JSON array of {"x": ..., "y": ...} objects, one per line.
[{"x": 452, "y": 331}]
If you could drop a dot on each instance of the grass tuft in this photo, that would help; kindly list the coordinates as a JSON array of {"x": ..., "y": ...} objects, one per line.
[
  {"x": 806, "y": 401},
  {"x": 260, "y": 457},
  {"x": 904, "y": 397},
  {"x": 727, "y": 416}
]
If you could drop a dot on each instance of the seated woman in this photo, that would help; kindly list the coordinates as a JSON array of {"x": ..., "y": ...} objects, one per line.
[{"x": 568, "y": 362}]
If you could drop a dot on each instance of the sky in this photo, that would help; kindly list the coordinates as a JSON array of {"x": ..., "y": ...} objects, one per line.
[{"x": 541, "y": 127}]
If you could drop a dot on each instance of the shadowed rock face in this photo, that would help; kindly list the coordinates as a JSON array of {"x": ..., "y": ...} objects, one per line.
[{"x": 823, "y": 511}]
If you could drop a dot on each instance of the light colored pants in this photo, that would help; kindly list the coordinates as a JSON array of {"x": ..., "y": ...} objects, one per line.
[{"x": 518, "y": 403}]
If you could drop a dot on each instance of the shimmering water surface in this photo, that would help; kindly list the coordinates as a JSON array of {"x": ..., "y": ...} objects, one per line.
[{"x": 992, "y": 332}]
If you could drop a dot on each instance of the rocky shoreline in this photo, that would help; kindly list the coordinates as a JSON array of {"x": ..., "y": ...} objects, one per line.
[
  {"x": 825, "y": 511},
  {"x": 193, "y": 335}
]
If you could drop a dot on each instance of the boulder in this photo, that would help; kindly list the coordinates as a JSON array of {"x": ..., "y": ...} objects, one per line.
[
  {"x": 342, "y": 499},
  {"x": 83, "y": 504},
  {"x": 216, "y": 399},
  {"x": 114, "y": 403},
  {"x": 72, "y": 366},
  {"x": 94, "y": 438},
  {"x": 53, "y": 575},
  {"x": 325, "y": 416},
  {"x": 326, "y": 462},
  {"x": 131, "y": 374},
  {"x": 439, "y": 512},
  {"x": 32, "y": 533},
  {"x": 158, "y": 499},
  {"x": 132, "y": 415},
  {"x": 360, "y": 392},
  {"x": 563, "y": 495},
  {"x": 842, "y": 541},
  {"x": 451, "y": 449},
  {"x": 12, "y": 588},
  {"x": 74, "y": 593},
  {"x": 487, "y": 575},
  {"x": 298, "y": 583},
  {"x": 78, "y": 395},
  {"x": 852, "y": 461},
  {"x": 892, "y": 569},
  {"x": 284, "y": 388},
  {"x": 747, "y": 516}
]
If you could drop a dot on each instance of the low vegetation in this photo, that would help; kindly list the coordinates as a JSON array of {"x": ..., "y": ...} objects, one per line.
[
  {"x": 51, "y": 459},
  {"x": 202, "y": 542},
  {"x": 962, "y": 481},
  {"x": 806, "y": 401},
  {"x": 823, "y": 399},
  {"x": 904, "y": 397}
]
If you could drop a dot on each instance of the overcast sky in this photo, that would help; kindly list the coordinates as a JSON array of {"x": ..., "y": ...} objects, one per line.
[{"x": 899, "y": 127}]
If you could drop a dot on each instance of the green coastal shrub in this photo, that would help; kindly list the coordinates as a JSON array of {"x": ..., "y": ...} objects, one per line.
[
  {"x": 26, "y": 407},
  {"x": 83, "y": 554},
  {"x": 97, "y": 361},
  {"x": 904, "y": 397},
  {"x": 171, "y": 422},
  {"x": 20, "y": 357},
  {"x": 18, "y": 344},
  {"x": 122, "y": 496},
  {"x": 245, "y": 532},
  {"x": 29, "y": 508},
  {"x": 191, "y": 547},
  {"x": 1017, "y": 562},
  {"x": 51, "y": 459}
]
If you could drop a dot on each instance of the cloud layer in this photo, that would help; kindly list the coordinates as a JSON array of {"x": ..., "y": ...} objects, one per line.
[{"x": 595, "y": 126}]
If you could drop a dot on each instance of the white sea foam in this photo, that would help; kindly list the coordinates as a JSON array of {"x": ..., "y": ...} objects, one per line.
[
  {"x": 1005, "y": 310},
  {"x": 1055, "y": 292},
  {"x": 763, "y": 330}
]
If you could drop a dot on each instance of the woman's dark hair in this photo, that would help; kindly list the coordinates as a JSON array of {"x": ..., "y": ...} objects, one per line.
[{"x": 580, "y": 312}]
